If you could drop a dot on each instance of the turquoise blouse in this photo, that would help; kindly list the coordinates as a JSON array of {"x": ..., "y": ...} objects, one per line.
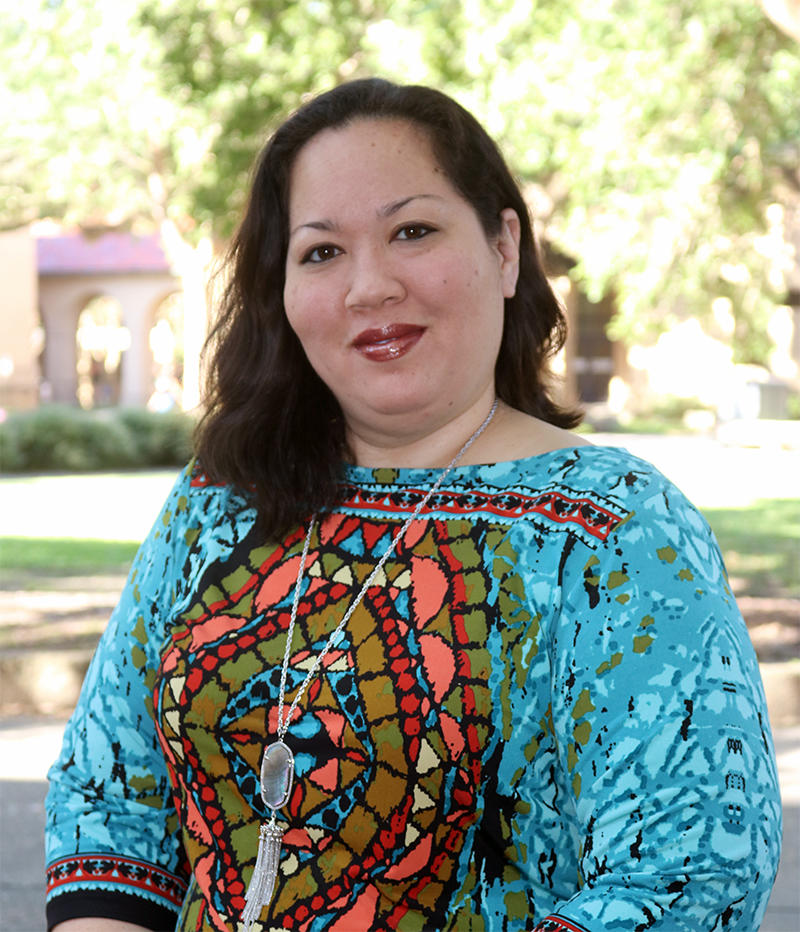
[{"x": 545, "y": 714}]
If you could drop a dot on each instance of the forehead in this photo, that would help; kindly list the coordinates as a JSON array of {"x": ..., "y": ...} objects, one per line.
[{"x": 364, "y": 160}]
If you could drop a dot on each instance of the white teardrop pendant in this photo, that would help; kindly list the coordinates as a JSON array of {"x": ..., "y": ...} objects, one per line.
[{"x": 277, "y": 775}]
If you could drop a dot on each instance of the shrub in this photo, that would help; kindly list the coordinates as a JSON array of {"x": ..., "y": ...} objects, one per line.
[
  {"x": 162, "y": 439},
  {"x": 56, "y": 437},
  {"x": 11, "y": 459}
]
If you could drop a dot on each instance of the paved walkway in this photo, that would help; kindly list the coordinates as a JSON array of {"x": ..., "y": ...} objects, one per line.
[{"x": 28, "y": 747}]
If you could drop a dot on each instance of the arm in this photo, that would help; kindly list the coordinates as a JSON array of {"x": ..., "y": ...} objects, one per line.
[
  {"x": 662, "y": 729},
  {"x": 113, "y": 841},
  {"x": 97, "y": 925}
]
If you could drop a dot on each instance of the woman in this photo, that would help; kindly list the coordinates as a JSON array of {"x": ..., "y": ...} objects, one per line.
[{"x": 398, "y": 636}]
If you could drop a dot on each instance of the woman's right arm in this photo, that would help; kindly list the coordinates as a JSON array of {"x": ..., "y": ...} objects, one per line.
[
  {"x": 114, "y": 851},
  {"x": 94, "y": 924}
]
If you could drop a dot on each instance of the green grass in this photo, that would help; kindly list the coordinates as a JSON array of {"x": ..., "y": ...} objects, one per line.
[
  {"x": 659, "y": 426},
  {"x": 761, "y": 545},
  {"x": 33, "y": 562}
]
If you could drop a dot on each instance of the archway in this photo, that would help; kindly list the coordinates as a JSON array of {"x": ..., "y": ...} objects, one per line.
[
  {"x": 101, "y": 340},
  {"x": 166, "y": 347}
]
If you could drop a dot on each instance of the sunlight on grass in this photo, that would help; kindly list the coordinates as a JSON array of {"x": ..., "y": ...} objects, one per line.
[
  {"x": 761, "y": 545},
  {"x": 55, "y": 557}
]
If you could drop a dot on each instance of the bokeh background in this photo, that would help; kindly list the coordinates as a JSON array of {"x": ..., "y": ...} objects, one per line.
[{"x": 658, "y": 144}]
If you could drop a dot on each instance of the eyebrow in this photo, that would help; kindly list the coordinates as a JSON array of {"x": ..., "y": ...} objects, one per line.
[{"x": 388, "y": 210}]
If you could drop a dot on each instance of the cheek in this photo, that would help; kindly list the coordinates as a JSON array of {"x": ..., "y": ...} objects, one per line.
[
  {"x": 297, "y": 308},
  {"x": 440, "y": 280},
  {"x": 289, "y": 300},
  {"x": 462, "y": 270}
]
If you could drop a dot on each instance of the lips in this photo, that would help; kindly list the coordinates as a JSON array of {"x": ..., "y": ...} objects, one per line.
[{"x": 382, "y": 344}]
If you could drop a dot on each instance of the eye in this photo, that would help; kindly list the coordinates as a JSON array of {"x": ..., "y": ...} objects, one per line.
[
  {"x": 319, "y": 254},
  {"x": 413, "y": 231}
]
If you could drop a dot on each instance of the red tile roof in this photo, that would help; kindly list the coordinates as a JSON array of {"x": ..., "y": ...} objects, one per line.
[{"x": 109, "y": 253}]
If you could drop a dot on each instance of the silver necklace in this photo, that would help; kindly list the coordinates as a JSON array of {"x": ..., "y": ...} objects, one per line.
[{"x": 277, "y": 764}]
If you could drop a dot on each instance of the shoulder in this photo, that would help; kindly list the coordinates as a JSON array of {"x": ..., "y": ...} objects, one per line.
[
  {"x": 199, "y": 523},
  {"x": 516, "y": 435},
  {"x": 651, "y": 524},
  {"x": 596, "y": 493},
  {"x": 196, "y": 483},
  {"x": 197, "y": 505},
  {"x": 527, "y": 449},
  {"x": 611, "y": 473}
]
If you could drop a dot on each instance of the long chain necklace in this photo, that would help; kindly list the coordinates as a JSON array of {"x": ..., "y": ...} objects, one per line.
[{"x": 277, "y": 765}]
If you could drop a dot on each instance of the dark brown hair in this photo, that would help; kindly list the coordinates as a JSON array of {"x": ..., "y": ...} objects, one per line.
[{"x": 271, "y": 425}]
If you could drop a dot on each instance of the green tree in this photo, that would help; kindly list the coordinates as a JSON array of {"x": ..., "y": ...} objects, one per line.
[
  {"x": 246, "y": 64},
  {"x": 654, "y": 137},
  {"x": 88, "y": 136},
  {"x": 85, "y": 125}
]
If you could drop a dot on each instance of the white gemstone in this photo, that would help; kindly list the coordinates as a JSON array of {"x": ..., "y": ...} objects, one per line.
[{"x": 277, "y": 774}]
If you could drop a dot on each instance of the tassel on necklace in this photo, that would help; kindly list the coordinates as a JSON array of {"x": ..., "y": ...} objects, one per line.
[
  {"x": 277, "y": 764},
  {"x": 262, "y": 883}
]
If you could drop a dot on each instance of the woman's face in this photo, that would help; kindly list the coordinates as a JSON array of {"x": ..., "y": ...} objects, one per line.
[{"x": 392, "y": 286}]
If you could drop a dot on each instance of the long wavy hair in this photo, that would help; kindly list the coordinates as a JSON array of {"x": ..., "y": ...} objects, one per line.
[{"x": 271, "y": 426}]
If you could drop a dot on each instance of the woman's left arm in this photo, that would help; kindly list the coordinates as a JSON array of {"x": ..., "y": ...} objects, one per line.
[{"x": 662, "y": 726}]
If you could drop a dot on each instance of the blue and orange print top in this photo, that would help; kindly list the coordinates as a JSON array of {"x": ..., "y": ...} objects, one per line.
[{"x": 545, "y": 714}]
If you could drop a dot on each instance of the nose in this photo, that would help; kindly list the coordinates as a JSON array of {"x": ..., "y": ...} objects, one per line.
[{"x": 373, "y": 280}]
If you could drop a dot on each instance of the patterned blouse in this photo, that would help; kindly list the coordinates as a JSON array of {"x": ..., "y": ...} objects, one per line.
[{"x": 545, "y": 714}]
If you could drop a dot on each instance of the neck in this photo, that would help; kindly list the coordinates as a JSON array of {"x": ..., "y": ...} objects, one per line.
[{"x": 431, "y": 448}]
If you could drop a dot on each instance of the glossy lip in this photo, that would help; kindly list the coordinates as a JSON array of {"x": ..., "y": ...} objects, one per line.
[{"x": 381, "y": 344}]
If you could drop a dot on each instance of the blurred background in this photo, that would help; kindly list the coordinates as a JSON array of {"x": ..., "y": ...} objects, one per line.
[{"x": 658, "y": 143}]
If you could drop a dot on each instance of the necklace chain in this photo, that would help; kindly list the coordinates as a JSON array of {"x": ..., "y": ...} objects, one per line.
[
  {"x": 283, "y": 722},
  {"x": 277, "y": 765}
]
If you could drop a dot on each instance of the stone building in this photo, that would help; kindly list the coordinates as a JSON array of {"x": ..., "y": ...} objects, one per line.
[{"x": 85, "y": 310}]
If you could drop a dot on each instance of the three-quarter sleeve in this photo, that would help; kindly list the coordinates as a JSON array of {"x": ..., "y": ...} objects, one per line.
[
  {"x": 660, "y": 719},
  {"x": 113, "y": 844}
]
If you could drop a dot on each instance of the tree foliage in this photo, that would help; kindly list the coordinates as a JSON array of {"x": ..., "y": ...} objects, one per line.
[
  {"x": 662, "y": 132},
  {"x": 87, "y": 132},
  {"x": 653, "y": 136}
]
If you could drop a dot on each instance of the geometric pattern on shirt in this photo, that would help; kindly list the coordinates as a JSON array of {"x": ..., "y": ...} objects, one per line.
[{"x": 388, "y": 754}]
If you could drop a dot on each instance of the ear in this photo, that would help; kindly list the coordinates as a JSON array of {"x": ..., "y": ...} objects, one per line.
[{"x": 507, "y": 245}]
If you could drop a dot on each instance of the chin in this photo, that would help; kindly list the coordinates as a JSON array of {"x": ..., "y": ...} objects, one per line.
[{"x": 392, "y": 405}]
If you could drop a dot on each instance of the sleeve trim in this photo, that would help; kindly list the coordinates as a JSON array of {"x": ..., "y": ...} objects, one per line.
[{"x": 97, "y": 872}]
